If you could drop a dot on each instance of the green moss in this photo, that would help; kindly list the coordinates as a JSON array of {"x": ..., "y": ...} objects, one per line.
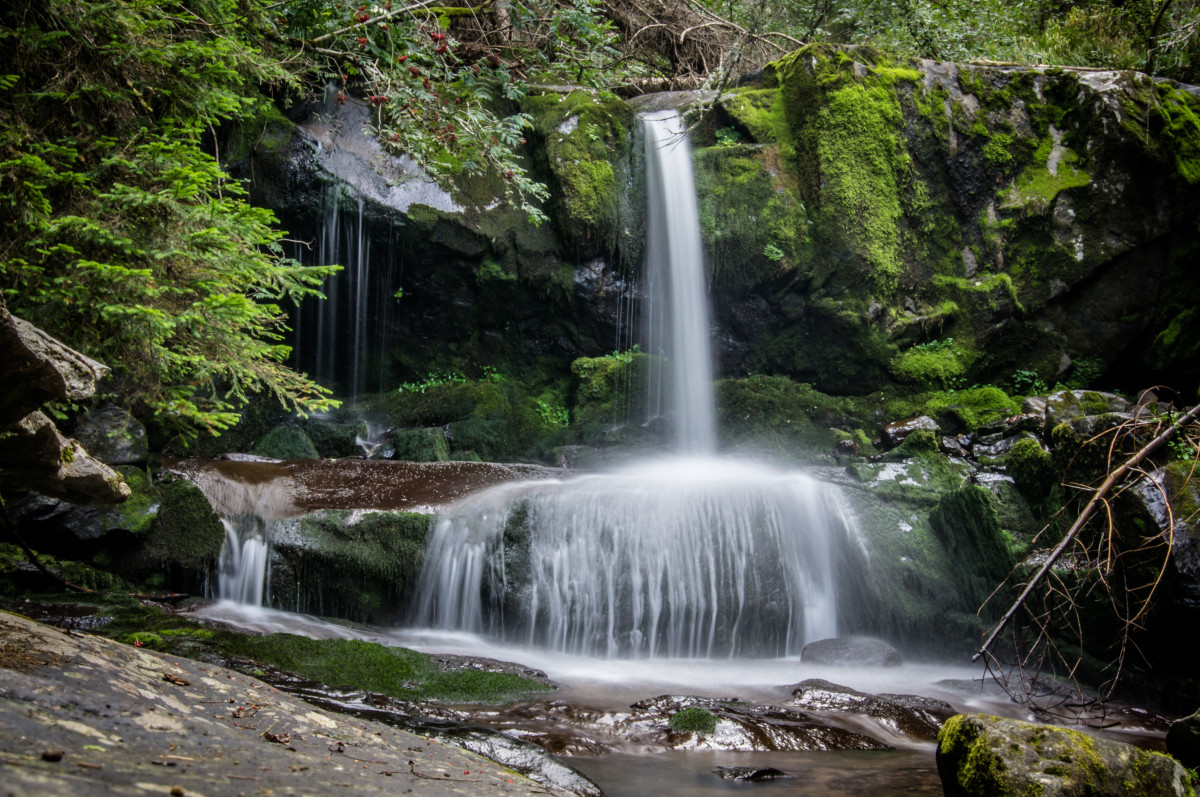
[
  {"x": 609, "y": 394},
  {"x": 761, "y": 113},
  {"x": 754, "y": 227},
  {"x": 421, "y": 445},
  {"x": 693, "y": 720},
  {"x": 397, "y": 672},
  {"x": 180, "y": 549},
  {"x": 1032, "y": 468},
  {"x": 852, "y": 158},
  {"x": 286, "y": 442},
  {"x": 938, "y": 364},
  {"x": 966, "y": 522},
  {"x": 586, "y": 138},
  {"x": 1036, "y": 186}
]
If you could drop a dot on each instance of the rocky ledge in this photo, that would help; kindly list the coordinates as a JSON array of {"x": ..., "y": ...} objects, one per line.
[{"x": 82, "y": 715}]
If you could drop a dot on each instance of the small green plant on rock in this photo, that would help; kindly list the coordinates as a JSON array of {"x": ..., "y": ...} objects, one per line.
[{"x": 693, "y": 720}]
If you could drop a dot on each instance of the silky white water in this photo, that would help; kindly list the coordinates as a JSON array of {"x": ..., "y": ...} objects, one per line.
[
  {"x": 691, "y": 558},
  {"x": 677, "y": 325},
  {"x": 694, "y": 556}
]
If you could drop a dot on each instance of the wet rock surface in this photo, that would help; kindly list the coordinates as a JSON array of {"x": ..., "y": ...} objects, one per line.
[
  {"x": 567, "y": 728},
  {"x": 912, "y": 715},
  {"x": 80, "y": 715},
  {"x": 237, "y": 486},
  {"x": 751, "y": 774}
]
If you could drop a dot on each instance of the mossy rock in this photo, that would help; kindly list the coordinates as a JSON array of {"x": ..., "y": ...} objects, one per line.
[
  {"x": 968, "y": 525},
  {"x": 586, "y": 143},
  {"x": 984, "y": 755},
  {"x": 333, "y": 437},
  {"x": 286, "y": 442},
  {"x": 180, "y": 549},
  {"x": 337, "y": 563},
  {"x": 421, "y": 445},
  {"x": 609, "y": 396},
  {"x": 1032, "y": 469}
]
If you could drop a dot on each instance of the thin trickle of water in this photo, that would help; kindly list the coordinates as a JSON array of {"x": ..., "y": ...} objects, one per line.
[
  {"x": 339, "y": 339},
  {"x": 682, "y": 558},
  {"x": 677, "y": 296},
  {"x": 244, "y": 569}
]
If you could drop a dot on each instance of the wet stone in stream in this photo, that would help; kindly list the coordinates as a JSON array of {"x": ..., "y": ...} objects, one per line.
[
  {"x": 751, "y": 774},
  {"x": 912, "y": 715}
]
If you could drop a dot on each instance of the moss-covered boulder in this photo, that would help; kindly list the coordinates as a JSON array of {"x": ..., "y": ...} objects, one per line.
[
  {"x": 421, "y": 445},
  {"x": 335, "y": 436},
  {"x": 358, "y": 565},
  {"x": 112, "y": 435},
  {"x": 180, "y": 549},
  {"x": 983, "y": 755},
  {"x": 286, "y": 442}
]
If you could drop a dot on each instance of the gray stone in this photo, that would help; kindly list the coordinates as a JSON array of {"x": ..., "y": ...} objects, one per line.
[
  {"x": 851, "y": 651},
  {"x": 982, "y": 755},
  {"x": 1067, "y": 405},
  {"x": 894, "y": 433},
  {"x": 36, "y": 455},
  {"x": 38, "y": 368},
  {"x": 112, "y": 435},
  {"x": 913, "y": 715}
]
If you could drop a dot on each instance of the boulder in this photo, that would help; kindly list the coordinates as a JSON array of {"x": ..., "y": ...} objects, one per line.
[
  {"x": 39, "y": 368},
  {"x": 983, "y": 755},
  {"x": 35, "y": 455},
  {"x": 1183, "y": 740},
  {"x": 851, "y": 651},
  {"x": 421, "y": 445},
  {"x": 112, "y": 435},
  {"x": 1067, "y": 405},
  {"x": 894, "y": 433},
  {"x": 286, "y": 442},
  {"x": 912, "y": 715}
]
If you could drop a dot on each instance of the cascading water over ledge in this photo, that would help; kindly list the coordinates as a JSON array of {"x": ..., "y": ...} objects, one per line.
[{"x": 691, "y": 558}]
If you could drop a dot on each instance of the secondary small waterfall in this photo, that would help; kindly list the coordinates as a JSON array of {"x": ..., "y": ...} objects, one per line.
[
  {"x": 337, "y": 338},
  {"x": 696, "y": 556}
]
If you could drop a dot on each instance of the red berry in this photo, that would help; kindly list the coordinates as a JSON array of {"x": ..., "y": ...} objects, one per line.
[
  {"x": 402, "y": 58},
  {"x": 441, "y": 50},
  {"x": 362, "y": 41}
]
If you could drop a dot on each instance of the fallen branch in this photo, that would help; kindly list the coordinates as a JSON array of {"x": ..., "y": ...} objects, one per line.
[{"x": 1096, "y": 499}]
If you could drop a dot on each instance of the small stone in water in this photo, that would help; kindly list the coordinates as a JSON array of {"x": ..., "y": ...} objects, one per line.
[{"x": 751, "y": 773}]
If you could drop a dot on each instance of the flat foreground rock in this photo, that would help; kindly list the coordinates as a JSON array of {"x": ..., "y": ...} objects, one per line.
[{"x": 82, "y": 715}]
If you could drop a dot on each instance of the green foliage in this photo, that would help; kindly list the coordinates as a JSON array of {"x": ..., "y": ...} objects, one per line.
[
  {"x": 693, "y": 720},
  {"x": 125, "y": 237},
  {"x": 1028, "y": 383},
  {"x": 728, "y": 137},
  {"x": 431, "y": 380}
]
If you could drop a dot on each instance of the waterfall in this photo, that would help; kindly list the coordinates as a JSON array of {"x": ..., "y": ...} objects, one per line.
[
  {"x": 683, "y": 558},
  {"x": 339, "y": 339},
  {"x": 696, "y": 556},
  {"x": 677, "y": 296}
]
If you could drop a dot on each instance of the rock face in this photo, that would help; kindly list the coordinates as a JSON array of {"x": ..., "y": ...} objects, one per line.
[
  {"x": 109, "y": 711},
  {"x": 33, "y": 454},
  {"x": 984, "y": 755},
  {"x": 851, "y": 651},
  {"x": 866, "y": 208}
]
